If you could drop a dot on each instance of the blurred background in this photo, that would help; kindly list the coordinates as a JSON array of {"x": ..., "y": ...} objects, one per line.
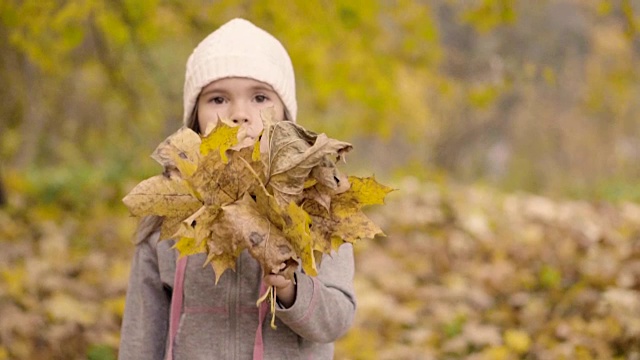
[{"x": 509, "y": 128}]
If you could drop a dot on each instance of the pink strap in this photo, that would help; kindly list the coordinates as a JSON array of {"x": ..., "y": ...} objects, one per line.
[
  {"x": 258, "y": 345},
  {"x": 176, "y": 302}
]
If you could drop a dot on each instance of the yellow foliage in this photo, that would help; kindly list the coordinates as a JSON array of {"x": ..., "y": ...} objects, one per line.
[
  {"x": 116, "y": 305},
  {"x": 63, "y": 307},
  {"x": 190, "y": 246},
  {"x": 517, "y": 340},
  {"x": 296, "y": 227},
  {"x": 497, "y": 353},
  {"x": 15, "y": 280},
  {"x": 221, "y": 138}
]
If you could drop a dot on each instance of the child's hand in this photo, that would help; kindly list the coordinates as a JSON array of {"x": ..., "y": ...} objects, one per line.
[{"x": 285, "y": 289}]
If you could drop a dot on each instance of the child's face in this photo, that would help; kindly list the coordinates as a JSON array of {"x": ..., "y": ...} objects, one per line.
[{"x": 239, "y": 100}]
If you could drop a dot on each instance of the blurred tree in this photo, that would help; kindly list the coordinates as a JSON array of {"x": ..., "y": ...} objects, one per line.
[
  {"x": 471, "y": 88},
  {"x": 3, "y": 196}
]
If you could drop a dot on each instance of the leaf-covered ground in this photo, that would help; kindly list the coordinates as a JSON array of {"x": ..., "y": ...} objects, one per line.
[{"x": 465, "y": 272}]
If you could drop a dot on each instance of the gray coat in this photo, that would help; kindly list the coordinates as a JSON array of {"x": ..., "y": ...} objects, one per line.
[{"x": 220, "y": 321}]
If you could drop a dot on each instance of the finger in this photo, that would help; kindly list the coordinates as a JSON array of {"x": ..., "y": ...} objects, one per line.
[{"x": 278, "y": 281}]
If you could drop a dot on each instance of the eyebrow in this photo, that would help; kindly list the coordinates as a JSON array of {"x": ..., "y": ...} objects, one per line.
[
  {"x": 253, "y": 88},
  {"x": 214, "y": 90},
  {"x": 262, "y": 87}
]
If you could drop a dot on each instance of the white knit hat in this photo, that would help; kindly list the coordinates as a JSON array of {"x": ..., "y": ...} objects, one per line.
[{"x": 240, "y": 49}]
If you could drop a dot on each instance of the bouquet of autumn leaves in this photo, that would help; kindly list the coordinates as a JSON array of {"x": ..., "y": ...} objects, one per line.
[{"x": 282, "y": 198}]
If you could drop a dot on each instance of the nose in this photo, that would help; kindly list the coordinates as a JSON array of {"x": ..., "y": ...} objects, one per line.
[{"x": 250, "y": 124}]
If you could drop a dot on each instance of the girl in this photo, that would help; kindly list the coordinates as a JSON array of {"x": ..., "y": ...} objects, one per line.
[{"x": 174, "y": 309}]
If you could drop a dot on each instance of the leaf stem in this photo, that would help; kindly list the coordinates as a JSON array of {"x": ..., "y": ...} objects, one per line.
[
  {"x": 271, "y": 294},
  {"x": 264, "y": 296},
  {"x": 273, "y": 307}
]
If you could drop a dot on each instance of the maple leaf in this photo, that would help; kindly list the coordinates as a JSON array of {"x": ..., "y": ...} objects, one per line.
[
  {"x": 163, "y": 196},
  {"x": 198, "y": 225},
  {"x": 238, "y": 176},
  {"x": 179, "y": 151},
  {"x": 332, "y": 183},
  {"x": 327, "y": 174},
  {"x": 363, "y": 191},
  {"x": 242, "y": 226},
  {"x": 344, "y": 221},
  {"x": 297, "y": 230},
  {"x": 189, "y": 246},
  {"x": 225, "y": 173},
  {"x": 220, "y": 139},
  {"x": 290, "y": 154}
]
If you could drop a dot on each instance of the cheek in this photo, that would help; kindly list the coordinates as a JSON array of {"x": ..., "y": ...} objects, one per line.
[
  {"x": 207, "y": 117},
  {"x": 280, "y": 113}
]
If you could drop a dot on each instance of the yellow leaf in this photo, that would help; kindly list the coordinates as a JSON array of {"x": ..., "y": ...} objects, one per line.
[
  {"x": 169, "y": 227},
  {"x": 354, "y": 227},
  {"x": 255, "y": 155},
  {"x": 116, "y": 306},
  {"x": 297, "y": 230},
  {"x": 222, "y": 262},
  {"x": 179, "y": 150},
  {"x": 268, "y": 207},
  {"x": 336, "y": 242},
  {"x": 517, "y": 340},
  {"x": 195, "y": 231},
  {"x": 189, "y": 246},
  {"x": 63, "y": 307},
  {"x": 4, "y": 354},
  {"x": 161, "y": 196},
  {"x": 14, "y": 280},
  {"x": 309, "y": 183},
  {"x": 222, "y": 138},
  {"x": 500, "y": 352},
  {"x": 367, "y": 191}
]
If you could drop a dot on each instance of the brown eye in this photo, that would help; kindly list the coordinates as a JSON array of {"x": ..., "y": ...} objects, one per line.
[{"x": 261, "y": 98}]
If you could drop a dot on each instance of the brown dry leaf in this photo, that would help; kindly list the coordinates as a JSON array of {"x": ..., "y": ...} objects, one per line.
[
  {"x": 327, "y": 174},
  {"x": 323, "y": 225},
  {"x": 220, "y": 183},
  {"x": 239, "y": 175},
  {"x": 242, "y": 226},
  {"x": 320, "y": 194},
  {"x": 290, "y": 154},
  {"x": 322, "y": 191},
  {"x": 205, "y": 180},
  {"x": 225, "y": 242}
]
